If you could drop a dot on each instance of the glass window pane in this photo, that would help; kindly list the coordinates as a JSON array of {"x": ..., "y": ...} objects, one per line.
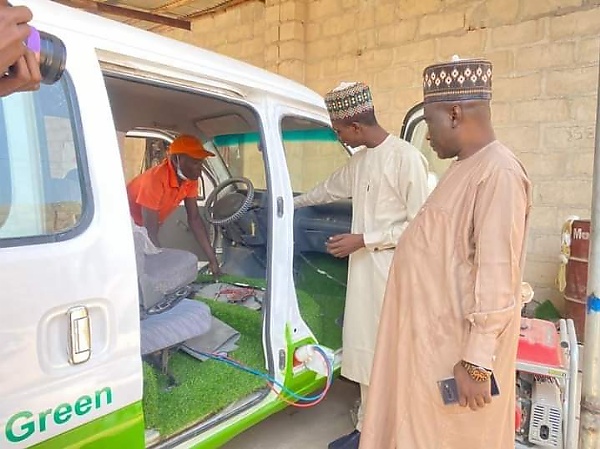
[
  {"x": 40, "y": 188},
  {"x": 312, "y": 151}
]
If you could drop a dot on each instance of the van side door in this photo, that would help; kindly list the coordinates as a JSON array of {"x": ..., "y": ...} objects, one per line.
[{"x": 69, "y": 316}]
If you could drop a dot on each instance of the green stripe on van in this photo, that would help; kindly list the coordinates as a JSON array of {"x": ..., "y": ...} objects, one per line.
[
  {"x": 309, "y": 135},
  {"x": 121, "y": 429}
]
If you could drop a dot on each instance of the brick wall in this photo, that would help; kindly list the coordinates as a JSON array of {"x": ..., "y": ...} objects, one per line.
[
  {"x": 545, "y": 56},
  {"x": 238, "y": 32}
]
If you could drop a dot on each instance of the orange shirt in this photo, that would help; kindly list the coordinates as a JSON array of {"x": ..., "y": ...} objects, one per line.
[{"x": 158, "y": 189}]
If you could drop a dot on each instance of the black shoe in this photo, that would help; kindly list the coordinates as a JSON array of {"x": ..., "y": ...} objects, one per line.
[{"x": 350, "y": 441}]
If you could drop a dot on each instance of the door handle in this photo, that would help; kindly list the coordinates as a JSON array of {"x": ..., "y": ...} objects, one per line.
[{"x": 80, "y": 347}]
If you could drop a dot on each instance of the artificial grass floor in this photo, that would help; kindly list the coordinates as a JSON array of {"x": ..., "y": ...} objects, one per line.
[
  {"x": 205, "y": 388},
  {"x": 321, "y": 300}
]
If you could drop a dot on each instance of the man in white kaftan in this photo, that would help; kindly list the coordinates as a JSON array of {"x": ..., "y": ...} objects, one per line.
[{"x": 387, "y": 181}]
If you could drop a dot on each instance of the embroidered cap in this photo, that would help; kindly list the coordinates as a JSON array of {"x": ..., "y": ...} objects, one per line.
[
  {"x": 458, "y": 80},
  {"x": 348, "y": 100}
]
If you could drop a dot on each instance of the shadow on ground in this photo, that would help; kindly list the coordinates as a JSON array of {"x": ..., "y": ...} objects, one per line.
[{"x": 311, "y": 428}]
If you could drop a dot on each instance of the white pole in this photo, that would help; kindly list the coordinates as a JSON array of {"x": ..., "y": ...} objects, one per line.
[{"x": 590, "y": 393}]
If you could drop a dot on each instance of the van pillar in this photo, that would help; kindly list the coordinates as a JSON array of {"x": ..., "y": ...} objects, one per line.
[{"x": 589, "y": 435}]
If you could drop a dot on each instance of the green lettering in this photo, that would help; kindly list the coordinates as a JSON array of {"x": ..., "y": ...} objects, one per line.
[
  {"x": 62, "y": 416},
  {"x": 27, "y": 428},
  {"x": 108, "y": 392},
  {"x": 83, "y": 405},
  {"x": 42, "y": 416}
]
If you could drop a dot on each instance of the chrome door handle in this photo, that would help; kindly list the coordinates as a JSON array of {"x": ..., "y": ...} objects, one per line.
[{"x": 80, "y": 337}]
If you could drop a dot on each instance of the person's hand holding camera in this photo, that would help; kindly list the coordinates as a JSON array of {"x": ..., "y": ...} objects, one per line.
[{"x": 19, "y": 67}]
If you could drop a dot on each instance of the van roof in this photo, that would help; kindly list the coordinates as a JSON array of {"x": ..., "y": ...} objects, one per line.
[{"x": 116, "y": 37}]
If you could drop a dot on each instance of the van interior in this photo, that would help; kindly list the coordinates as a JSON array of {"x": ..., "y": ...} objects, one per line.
[{"x": 185, "y": 390}]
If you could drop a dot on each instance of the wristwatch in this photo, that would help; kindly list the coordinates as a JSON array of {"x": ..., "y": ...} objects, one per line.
[{"x": 477, "y": 373}]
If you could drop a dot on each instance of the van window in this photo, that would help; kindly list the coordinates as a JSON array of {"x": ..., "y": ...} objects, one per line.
[
  {"x": 312, "y": 150},
  {"x": 41, "y": 193},
  {"x": 242, "y": 155}
]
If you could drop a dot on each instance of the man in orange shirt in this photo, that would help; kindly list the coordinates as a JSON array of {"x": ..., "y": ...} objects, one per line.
[{"x": 157, "y": 192}]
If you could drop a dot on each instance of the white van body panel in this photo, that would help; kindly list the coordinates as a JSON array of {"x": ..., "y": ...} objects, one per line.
[{"x": 95, "y": 269}]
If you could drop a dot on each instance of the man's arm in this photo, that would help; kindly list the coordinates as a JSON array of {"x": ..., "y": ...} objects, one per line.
[
  {"x": 150, "y": 222},
  {"x": 19, "y": 68},
  {"x": 201, "y": 234},
  {"x": 499, "y": 226},
  {"x": 338, "y": 186},
  {"x": 409, "y": 176}
]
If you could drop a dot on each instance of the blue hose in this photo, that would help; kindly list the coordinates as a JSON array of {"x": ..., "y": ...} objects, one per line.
[{"x": 272, "y": 380}]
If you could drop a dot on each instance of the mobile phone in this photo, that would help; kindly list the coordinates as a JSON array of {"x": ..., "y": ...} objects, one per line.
[{"x": 449, "y": 390}]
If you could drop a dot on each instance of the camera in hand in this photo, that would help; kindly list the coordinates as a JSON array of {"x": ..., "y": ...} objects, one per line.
[{"x": 51, "y": 53}]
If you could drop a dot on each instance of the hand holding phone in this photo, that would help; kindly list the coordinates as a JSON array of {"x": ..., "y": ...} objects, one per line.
[{"x": 449, "y": 390}]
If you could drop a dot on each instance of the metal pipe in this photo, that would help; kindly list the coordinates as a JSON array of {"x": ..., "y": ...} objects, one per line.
[
  {"x": 572, "y": 398},
  {"x": 589, "y": 435},
  {"x": 566, "y": 353}
]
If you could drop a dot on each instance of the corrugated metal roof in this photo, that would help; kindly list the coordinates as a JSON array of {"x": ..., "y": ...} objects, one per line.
[{"x": 147, "y": 13}]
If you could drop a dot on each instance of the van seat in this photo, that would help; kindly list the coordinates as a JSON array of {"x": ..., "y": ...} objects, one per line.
[
  {"x": 164, "y": 274},
  {"x": 161, "y": 271},
  {"x": 185, "y": 321}
]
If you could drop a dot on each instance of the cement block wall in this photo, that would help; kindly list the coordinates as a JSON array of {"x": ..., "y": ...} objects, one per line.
[{"x": 545, "y": 56}]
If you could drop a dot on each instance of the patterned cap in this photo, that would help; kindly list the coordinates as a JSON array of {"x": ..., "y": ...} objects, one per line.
[
  {"x": 461, "y": 79},
  {"x": 348, "y": 100}
]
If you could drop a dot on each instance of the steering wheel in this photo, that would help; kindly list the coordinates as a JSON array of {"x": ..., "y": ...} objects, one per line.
[{"x": 232, "y": 206}]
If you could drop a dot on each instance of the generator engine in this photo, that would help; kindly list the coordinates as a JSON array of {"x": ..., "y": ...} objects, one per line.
[{"x": 539, "y": 414}]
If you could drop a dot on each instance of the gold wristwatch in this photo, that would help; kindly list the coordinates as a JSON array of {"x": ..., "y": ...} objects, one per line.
[{"x": 477, "y": 373}]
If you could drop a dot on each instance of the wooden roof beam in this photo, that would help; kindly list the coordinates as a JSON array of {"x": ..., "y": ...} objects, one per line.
[{"x": 98, "y": 8}]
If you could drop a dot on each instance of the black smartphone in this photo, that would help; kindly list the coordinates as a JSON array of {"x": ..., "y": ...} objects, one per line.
[{"x": 449, "y": 390}]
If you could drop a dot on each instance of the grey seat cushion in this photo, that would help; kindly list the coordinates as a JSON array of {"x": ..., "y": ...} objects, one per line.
[
  {"x": 165, "y": 273},
  {"x": 161, "y": 271},
  {"x": 187, "y": 320}
]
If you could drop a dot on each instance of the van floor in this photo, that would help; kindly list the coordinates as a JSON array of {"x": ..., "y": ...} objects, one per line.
[{"x": 205, "y": 388}]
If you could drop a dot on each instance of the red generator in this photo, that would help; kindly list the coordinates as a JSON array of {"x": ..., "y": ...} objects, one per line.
[{"x": 546, "y": 385}]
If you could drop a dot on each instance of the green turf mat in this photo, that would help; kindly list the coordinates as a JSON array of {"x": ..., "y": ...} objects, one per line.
[
  {"x": 205, "y": 388},
  {"x": 321, "y": 300},
  {"x": 150, "y": 396}
]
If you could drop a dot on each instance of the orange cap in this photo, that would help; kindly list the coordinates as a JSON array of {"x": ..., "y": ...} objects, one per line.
[{"x": 189, "y": 145}]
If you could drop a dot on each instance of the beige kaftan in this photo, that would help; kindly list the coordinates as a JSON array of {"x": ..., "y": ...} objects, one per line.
[
  {"x": 453, "y": 293},
  {"x": 388, "y": 185}
]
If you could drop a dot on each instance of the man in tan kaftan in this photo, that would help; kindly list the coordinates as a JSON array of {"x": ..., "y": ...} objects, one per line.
[
  {"x": 387, "y": 182},
  {"x": 453, "y": 300}
]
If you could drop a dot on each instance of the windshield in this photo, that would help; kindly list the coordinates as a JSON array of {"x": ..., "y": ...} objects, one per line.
[{"x": 312, "y": 152}]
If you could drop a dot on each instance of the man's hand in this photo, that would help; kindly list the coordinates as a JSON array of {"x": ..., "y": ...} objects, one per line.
[
  {"x": 23, "y": 76},
  {"x": 215, "y": 270},
  {"x": 343, "y": 245},
  {"x": 15, "y": 58},
  {"x": 470, "y": 392},
  {"x": 13, "y": 33}
]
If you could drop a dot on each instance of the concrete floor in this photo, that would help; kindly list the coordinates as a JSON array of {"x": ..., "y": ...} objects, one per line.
[{"x": 311, "y": 428}]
